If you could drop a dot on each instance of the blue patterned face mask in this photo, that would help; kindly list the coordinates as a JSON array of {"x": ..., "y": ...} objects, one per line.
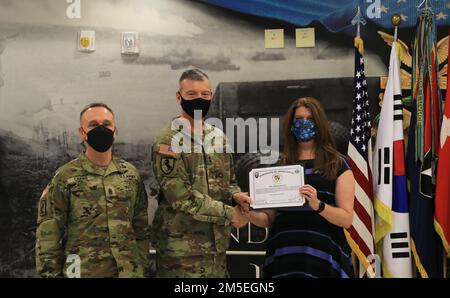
[{"x": 304, "y": 129}]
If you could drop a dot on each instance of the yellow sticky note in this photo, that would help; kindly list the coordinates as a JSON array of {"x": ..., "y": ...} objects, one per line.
[
  {"x": 305, "y": 38},
  {"x": 274, "y": 38}
]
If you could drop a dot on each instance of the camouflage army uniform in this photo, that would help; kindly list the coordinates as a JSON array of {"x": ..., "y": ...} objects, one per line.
[
  {"x": 192, "y": 225},
  {"x": 97, "y": 213}
]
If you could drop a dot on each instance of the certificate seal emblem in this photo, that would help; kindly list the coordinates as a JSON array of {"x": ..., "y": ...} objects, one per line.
[{"x": 276, "y": 178}]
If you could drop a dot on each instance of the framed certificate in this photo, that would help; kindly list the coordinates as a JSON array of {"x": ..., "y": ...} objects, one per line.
[{"x": 276, "y": 187}]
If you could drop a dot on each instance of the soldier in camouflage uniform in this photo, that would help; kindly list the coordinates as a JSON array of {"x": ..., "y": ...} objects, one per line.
[
  {"x": 192, "y": 225},
  {"x": 92, "y": 217}
]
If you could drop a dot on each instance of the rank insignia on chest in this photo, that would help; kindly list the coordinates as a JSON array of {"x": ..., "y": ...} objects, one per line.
[
  {"x": 167, "y": 165},
  {"x": 111, "y": 191}
]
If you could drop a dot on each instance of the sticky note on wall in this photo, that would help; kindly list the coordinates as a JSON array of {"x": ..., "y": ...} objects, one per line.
[
  {"x": 274, "y": 38},
  {"x": 86, "y": 41},
  {"x": 305, "y": 38}
]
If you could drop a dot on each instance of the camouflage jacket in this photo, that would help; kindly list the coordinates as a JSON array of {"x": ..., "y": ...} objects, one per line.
[
  {"x": 194, "y": 212},
  {"x": 97, "y": 214}
]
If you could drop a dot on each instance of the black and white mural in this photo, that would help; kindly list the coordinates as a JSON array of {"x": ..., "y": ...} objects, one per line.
[{"x": 45, "y": 81}]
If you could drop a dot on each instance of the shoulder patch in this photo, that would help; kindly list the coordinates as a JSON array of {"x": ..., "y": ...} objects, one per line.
[
  {"x": 43, "y": 208},
  {"x": 166, "y": 150},
  {"x": 43, "y": 204},
  {"x": 167, "y": 165}
]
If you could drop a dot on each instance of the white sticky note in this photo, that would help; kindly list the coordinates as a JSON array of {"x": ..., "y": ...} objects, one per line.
[
  {"x": 130, "y": 43},
  {"x": 305, "y": 38},
  {"x": 274, "y": 38}
]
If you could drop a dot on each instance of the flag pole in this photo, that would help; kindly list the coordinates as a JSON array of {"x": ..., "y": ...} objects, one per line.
[
  {"x": 396, "y": 21},
  {"x": 357, "y": 20},
  {"x": 362, "y": 249},
  {"x": 445, "y": 265},
  {"x": 425, "y": 7}
]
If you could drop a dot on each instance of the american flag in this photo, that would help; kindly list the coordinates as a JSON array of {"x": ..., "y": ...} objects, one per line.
[{"x": 360, "y": 234}]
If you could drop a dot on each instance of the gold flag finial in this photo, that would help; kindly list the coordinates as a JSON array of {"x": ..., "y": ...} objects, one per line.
[{"x": 396, "y": 20}]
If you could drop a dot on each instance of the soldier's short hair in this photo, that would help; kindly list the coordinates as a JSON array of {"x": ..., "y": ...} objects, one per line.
[
  {"x": 95, "y": 105},
  {"x": 194, "y": 74}
]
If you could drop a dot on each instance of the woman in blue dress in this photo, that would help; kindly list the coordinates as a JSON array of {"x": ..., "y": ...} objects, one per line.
[{"x": 309, "y": 241}]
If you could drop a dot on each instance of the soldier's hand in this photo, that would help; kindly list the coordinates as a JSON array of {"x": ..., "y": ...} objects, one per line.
[
  {"x": 243, "y": 200},
  {"x": 240, "y": 218}
]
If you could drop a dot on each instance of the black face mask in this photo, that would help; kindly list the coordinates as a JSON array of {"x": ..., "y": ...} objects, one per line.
[
  {"x": 190, "y": 106},
  {"x": 100, "y": 138}
]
